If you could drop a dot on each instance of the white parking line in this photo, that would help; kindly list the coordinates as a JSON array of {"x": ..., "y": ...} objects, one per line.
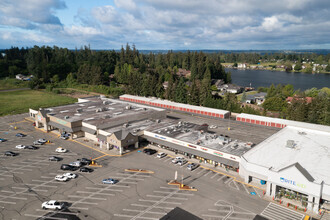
[
  {"x": 74, "y": 196},
  {"x": 115, "y": 190},
  {"x": 129, "y": 182},
  {"x": 228, "y": 180},
  {"x": 80, "y": 208},
  {"x": 47, "y": 177},
  {"x": 32, "y": 184},
  {"x": 158, "y": 207},
  {"x": 12, "y": 197},
  {"x": 200, "y": 171},
  {"x": 208, "y": 172},
  {"x": 221, "y": 178},
  {"x": 67, "y": 213},
  {"x": 7, "y": 202},
  {"x": 106, "y": 194},
  {"x": 157, "y": 213},
  {"x": 39, "y": 216},
  {"x": 162, "y": 187},
  {"x": 82, "y": 202},
  {"x": 130, "y": 216},
  {"x": 246, "y": 189},
  {"x": 161, "y": 201},
  {"x": 214, "y": 175},
  {"x": 169, "y": 158}
]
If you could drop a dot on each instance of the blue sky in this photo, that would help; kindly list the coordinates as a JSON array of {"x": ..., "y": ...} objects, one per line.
[{"x": 166, "y": 24}]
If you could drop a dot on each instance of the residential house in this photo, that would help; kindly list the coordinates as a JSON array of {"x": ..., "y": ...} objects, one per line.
[
  {"x": 218, "y": 83},
  {"x": 165, "y": 84},
  {"x": 183, "y": 72},
  {"x": 231, "y": 88},
  {"x": 241, "y": 66},
  {"x": 257, "y": 98},
  {"x": 20, "y": 76},
  {"x": 290, "y": 99}
]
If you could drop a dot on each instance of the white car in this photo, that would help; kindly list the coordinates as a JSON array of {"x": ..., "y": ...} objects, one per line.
[
  {"x": 213, "y": 126},
  {"x": 161, "y": 155},
  {"x": 181, "y": 162},
  {"x": 41, "y": 140},
  {"x": 61, "y": 178},
  {"x": 52, "y": 204},
  {"x": 177, "y": 159},
  {"x": 70, "y": 175},
  {"x": 61, "y": 150},
  {"x": 20, "y": 146},
  {"x": 76, "y": 164}
]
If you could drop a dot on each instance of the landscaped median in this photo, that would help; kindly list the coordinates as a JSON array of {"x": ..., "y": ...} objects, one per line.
[
  {"x": 139, "y": 171},
  {"x": 181, "y": 186}
]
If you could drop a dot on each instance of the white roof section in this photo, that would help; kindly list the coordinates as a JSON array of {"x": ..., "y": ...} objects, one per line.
[
  {"x": 311, "y": 150},
  {"x": 167, "y": 102},
  {"x": 286, "y": 122}
]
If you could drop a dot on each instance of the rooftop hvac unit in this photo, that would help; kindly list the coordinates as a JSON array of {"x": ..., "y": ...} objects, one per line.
[
  {"x": 106, "y": 116},
  {"x": 128, "y": 107},
  {"x": 106, "y": 102},
  {"x": 290, "y": 144},
  {"x": 99, "y": 110},
  {"x": 79, "y": 110},
  {"x": 125, "y": 125},
  {"x": 66, "y": 117},
  {"x": 158, "y": 120}
]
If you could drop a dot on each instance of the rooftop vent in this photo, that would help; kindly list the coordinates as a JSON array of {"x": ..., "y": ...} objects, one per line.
[
  {"x": 106, "y": 116},
  {"x": 99, "y": 110},
  {"x": 106, "y": 102},
  {"x": 66, "y": 117},
  {"x": 158, "y": 120},
  {"x": 290, "y": 144},
  {"x": 125, "y": 125},
  {"x": 79, "y": 110},
  {"x": 128, "y": 107}
]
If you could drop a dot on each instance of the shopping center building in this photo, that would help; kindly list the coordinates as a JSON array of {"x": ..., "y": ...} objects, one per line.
[{"x": 295, "y": 163}]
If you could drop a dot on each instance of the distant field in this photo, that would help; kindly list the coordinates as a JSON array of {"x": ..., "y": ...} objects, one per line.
[
  {"x": 12, "y": 84},
  {"x": 17, "y": 102}
]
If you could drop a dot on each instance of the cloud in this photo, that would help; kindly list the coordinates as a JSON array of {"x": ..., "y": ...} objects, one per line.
[{"x": 174, "y": 24}]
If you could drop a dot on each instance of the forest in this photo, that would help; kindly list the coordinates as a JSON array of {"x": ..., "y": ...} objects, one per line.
[{"x": 130, "y": 71}]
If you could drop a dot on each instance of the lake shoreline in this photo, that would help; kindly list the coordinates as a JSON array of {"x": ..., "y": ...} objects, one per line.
[{"x": 276, "y": 71}]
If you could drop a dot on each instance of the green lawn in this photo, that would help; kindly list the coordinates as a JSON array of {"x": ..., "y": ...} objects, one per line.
[
  {"x": 13, "y": 84},
  {"x": 17, "y": 102}
]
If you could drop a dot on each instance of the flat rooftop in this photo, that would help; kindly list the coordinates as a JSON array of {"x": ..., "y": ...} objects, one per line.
[
  {"x": 310, "y": 148},
  {"x": 97, "y": 111},
  {"x": 199, "y": 135}
]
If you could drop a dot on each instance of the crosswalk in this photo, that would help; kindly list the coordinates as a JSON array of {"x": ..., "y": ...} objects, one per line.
[{"x": 277, "y": 212}]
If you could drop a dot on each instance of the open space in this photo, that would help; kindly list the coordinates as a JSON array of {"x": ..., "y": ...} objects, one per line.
[{"x": 16, "y": 102}]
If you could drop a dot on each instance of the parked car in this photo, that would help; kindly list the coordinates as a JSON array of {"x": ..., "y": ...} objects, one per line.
[
  {"x": 213, "y": 126},
  {"x": 52, "y": 204},
  {"x": 161, "y": 155},
  {"x": 20, "y": 135},
  {"x": 175, "y": 160},
  {"x": 20, "y": 146},
  {"x": 85, "y": 161},
  {"x": 76, "y": 164},
  {"x": 37, "y": 143},
  {"x": 70, "y": 175},
  {"x": 109, "y": 181},
  {"x": 42, "y": 140},
  {"x": 10, "y": 153},
  {"x": 64, "y": 136},
  {"x": 2, "y": 140},
  {"x": 192, "y": 166},
  {"x": 86, "y": 170},
  {"x": 54, "y": 158},
  {"x": 182, "y": 162},
  {"x": 149, "y": 151},
  {"x": 61, "y": 150},
  {"x": 68, "y": 167},
  {"x": 31, "y": 147},
  {"x": 61, "y": 178}
]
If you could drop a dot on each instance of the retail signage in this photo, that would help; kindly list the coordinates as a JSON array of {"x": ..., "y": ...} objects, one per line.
[
  {"x": 191, "y": 146},
  {"x": 40, "y": 118},
  {"x": 160, "y": 137},
  {"x": 203, "y": 148},
  {"x": 292, "y": 182}
]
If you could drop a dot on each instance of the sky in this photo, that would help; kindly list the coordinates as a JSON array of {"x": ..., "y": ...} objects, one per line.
[{"x": 166, "y": 24}]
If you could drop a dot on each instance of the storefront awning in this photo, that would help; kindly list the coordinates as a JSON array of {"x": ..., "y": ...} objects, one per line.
[
  {"x": 194, "y": 152},
  {"x": 88, "y": 130},
  {"x": 61, "y": 127},
  {"x": 102, "y": 137}
]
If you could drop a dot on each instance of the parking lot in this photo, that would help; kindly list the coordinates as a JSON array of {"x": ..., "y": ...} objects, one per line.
[{"x": 27, "y": 180}]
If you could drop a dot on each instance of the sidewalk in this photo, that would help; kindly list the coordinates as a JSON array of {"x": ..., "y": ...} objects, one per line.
[{"x": 217, "y": 169}]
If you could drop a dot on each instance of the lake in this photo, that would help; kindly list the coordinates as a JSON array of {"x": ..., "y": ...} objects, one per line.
[{"x": 264, "y": 78}]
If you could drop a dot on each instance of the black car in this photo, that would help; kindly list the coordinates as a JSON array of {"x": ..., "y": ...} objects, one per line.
[
  {"x": 30, "y": 147},
  {"x": 149, "y": 151},
  {"x": 86, "y": 170},
  {"x": 85, "y": 161},
  {"x": 67, "y": 167},
  {"x": 54, "y": 158},
  {"x": 10, "y": 153},
  {"x": 20, "y": 135}
]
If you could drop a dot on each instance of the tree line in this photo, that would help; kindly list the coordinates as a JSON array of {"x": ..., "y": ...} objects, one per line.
[{"x": 153, "y": 74}]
